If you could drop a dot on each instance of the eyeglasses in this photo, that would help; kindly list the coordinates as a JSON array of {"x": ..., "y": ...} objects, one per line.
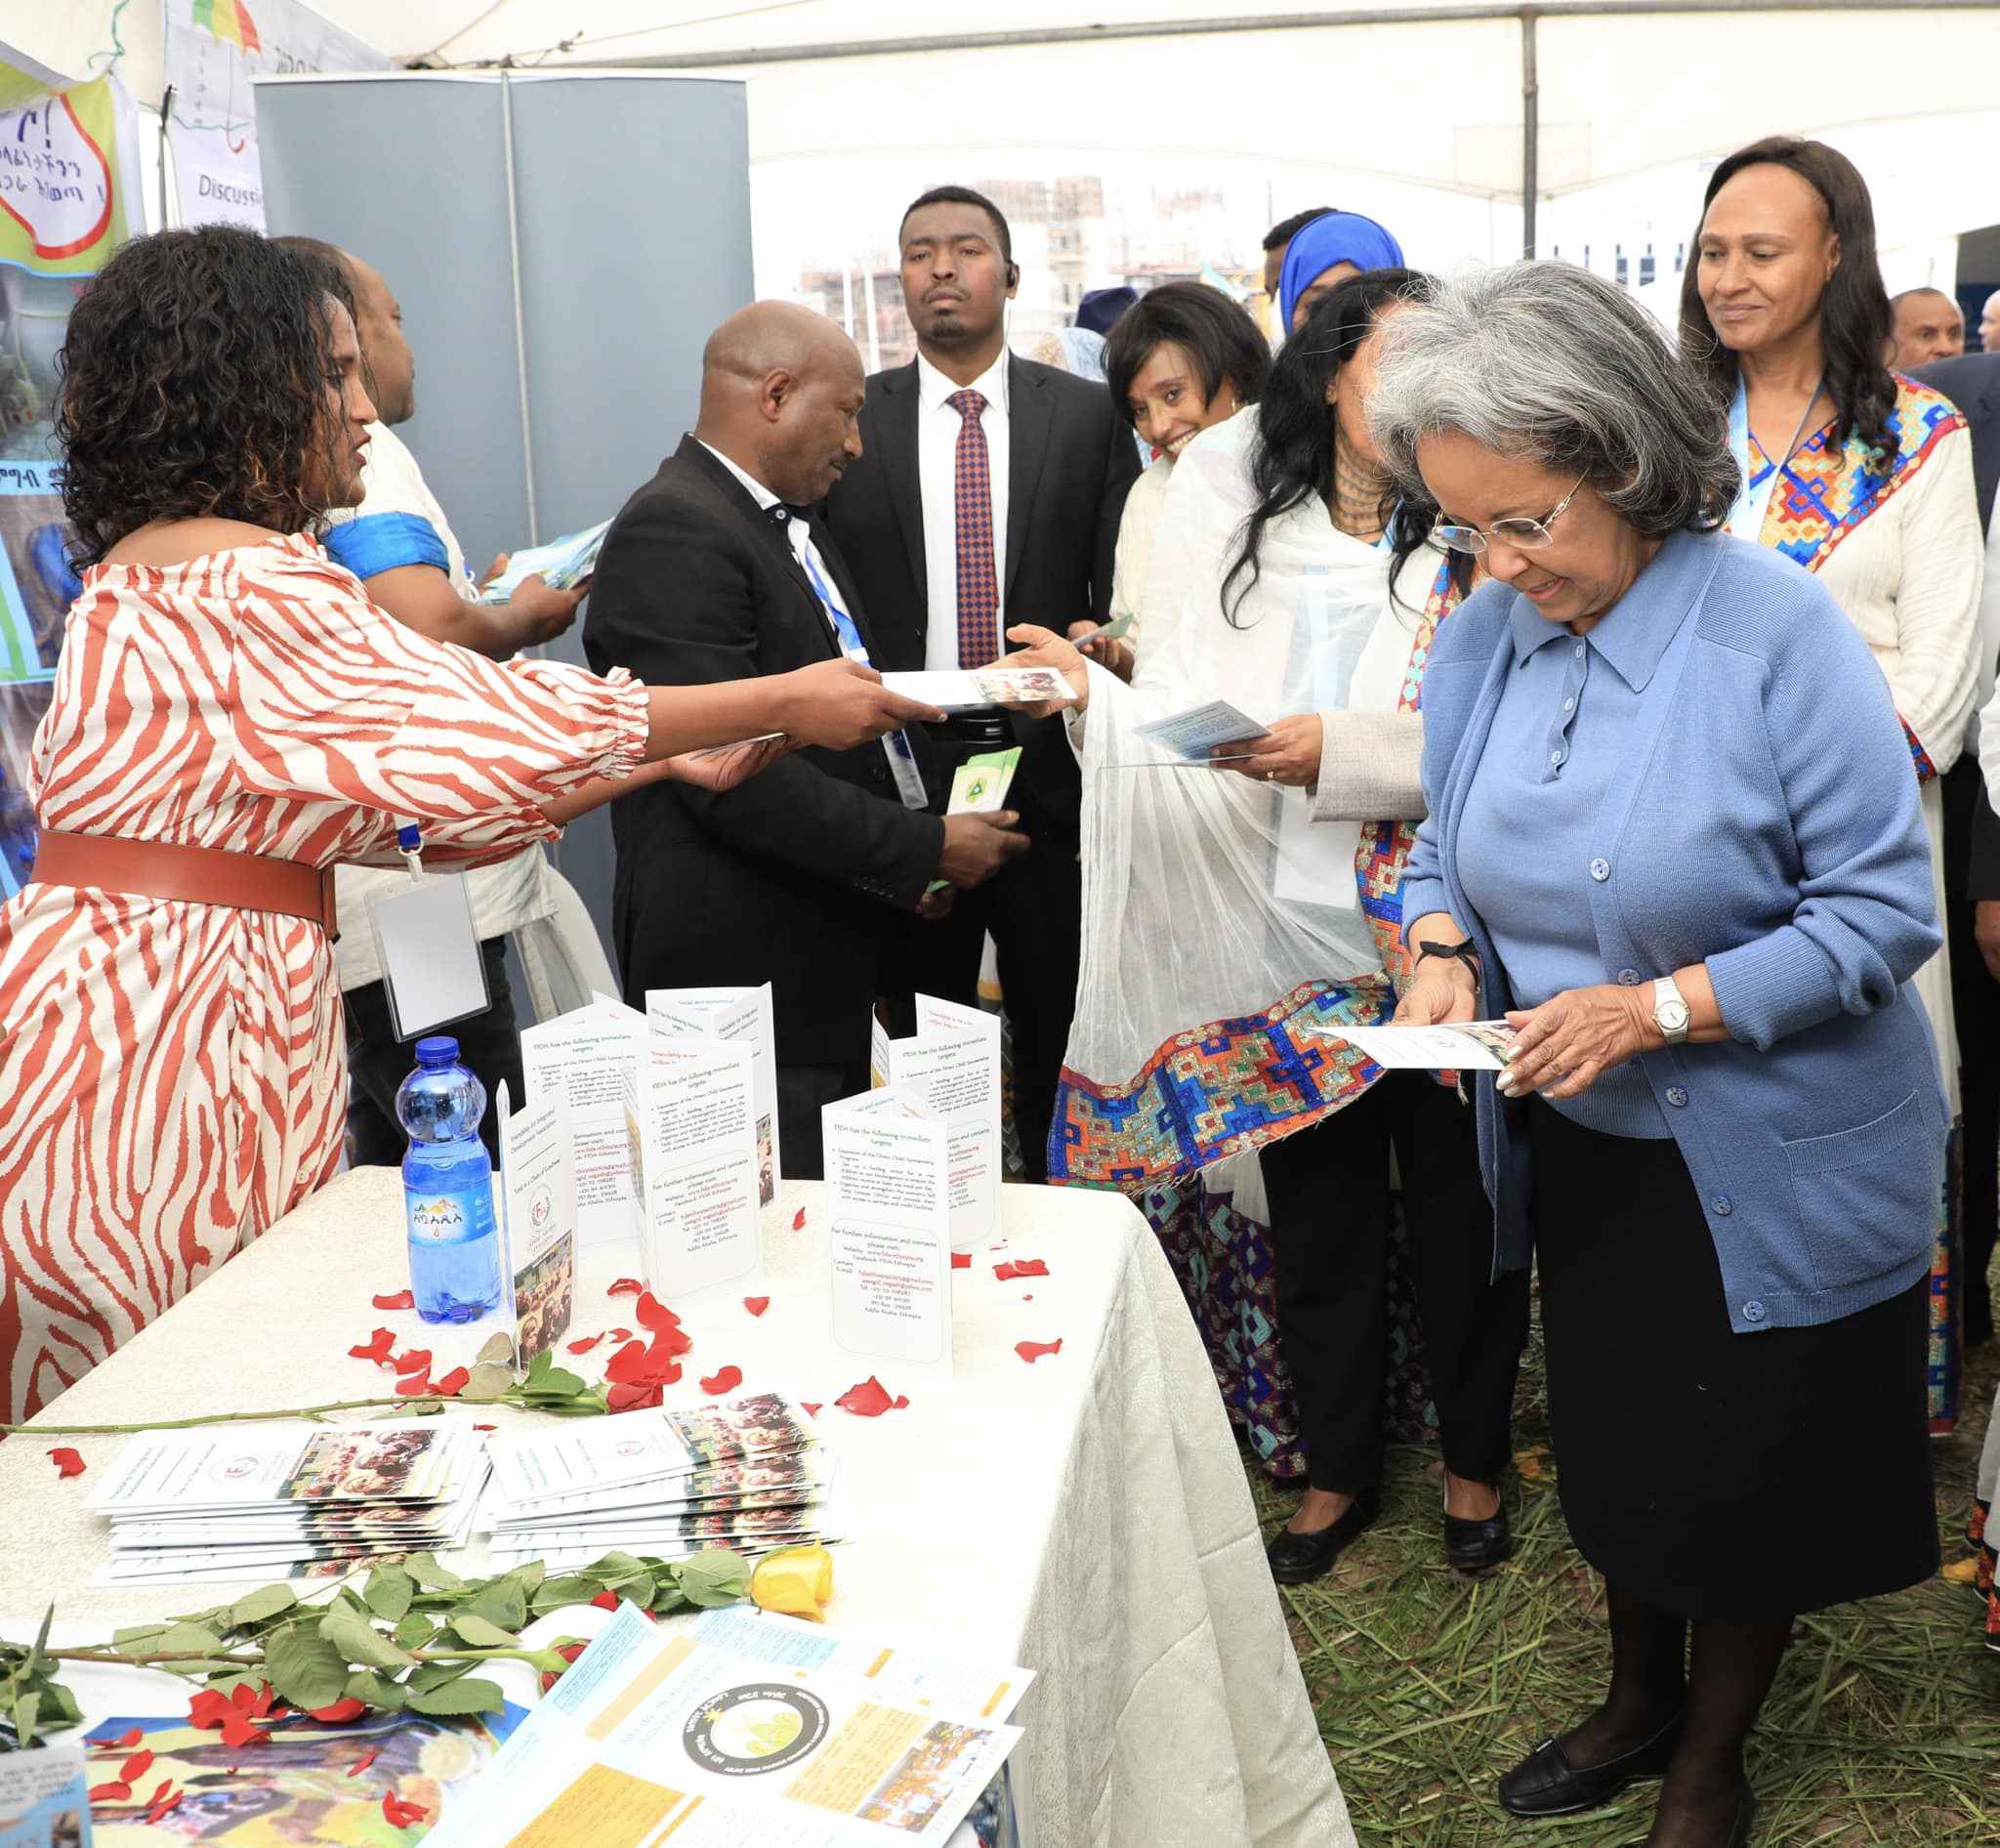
[{"x": 1524, "y": 536}]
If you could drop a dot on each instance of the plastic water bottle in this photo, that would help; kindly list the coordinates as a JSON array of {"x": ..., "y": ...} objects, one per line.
[{"x": 447, "y": 1184}]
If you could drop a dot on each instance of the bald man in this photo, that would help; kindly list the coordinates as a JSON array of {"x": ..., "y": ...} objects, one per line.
[
  {"x": 715, "y": 572},
  {"x": 1926, "y": 325},
  {"x": 1989, "y": 324}
]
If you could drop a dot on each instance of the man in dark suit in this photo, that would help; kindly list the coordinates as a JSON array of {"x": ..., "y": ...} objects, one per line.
[
  {"x": 1971, "y": 870},
  {"x": 988, "y": 494},
  {"x": 712, "y": 571}
]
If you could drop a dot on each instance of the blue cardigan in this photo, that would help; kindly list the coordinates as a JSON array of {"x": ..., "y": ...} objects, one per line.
[{"x": 1764, "y": 818}]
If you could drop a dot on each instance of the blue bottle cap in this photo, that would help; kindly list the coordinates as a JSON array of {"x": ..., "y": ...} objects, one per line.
[{"x": 440, "y": 1049}]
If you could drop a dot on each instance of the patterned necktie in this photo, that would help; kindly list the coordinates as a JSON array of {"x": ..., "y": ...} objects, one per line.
[{"x": 978, "y": 593}]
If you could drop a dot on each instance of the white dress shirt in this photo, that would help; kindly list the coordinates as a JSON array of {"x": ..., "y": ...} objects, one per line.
[
  {"x": 797, "y": 530},
  {"x": 938, "y": 428}
]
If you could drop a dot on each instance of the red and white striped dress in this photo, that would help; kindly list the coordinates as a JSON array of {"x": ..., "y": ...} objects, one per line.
[{"x": 172, "y": 1075}]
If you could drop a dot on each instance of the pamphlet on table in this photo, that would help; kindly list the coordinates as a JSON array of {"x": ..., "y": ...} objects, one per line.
[
  {"x": 738, "y": 1736},
  {"x": 888, "y": 1228},
  {"x": 45, "y": 1798},
  {"x": 952, "y": 1064},
  {"x": 537, "y": 1220},
  {"x": 666, "y": 1131},
  {"x": 234, "y": 1501},
  {"x": 748, "y": 1472},
  {"x": 1461, "y": 1046},
  {"x": 975, "y": 689},
  {"x": 564, "y": 564},
  {"x": 737, "y": 1016}
]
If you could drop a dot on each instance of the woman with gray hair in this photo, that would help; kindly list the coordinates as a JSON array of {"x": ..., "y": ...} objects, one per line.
[{"x": 1673, "y": 839}]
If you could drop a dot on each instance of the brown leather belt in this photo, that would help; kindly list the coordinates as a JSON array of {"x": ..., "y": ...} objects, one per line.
[{"x": 193, "y": 876}]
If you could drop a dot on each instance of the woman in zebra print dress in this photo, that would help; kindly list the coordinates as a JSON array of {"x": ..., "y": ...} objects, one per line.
[{"x": 172, "y": 1073}]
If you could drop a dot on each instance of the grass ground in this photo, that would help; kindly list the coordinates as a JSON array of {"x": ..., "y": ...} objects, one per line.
[{"x": 1884, "y": 1726}]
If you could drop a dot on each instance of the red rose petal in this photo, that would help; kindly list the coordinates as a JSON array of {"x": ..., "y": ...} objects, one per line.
[
  {"x": 362, "y": 1763},
  {"x": 67, "y": 1462},
  {"x": 619, "y": 1335},
  {"x": 124, "y": 1742},
  {"x": 161, "y": 1790},
  {"x": 724, "y": 1380},
  {"x": 415, "y": 1386},
  {"x": 340, "y": 1712},
  {"x": 1020, "y": 1266},
  {"x": 113, "y": 1792},
  {"x": 632, "y": 1397},
  {"x": 626, "y": 1286},
  {"x": 416, "y": 1361},
  {"x": 402, "y": 1299},
  {"x": 1032, "y": 1351},
  {"x": 654, "y": 1313},
  {"x": 606, "y": 1601},
  {"x": 135, "y": 1767},
  {"x": 900, "y": 1403},
  {"x": 206, "y": 1709},
  {"x": 961, "y": 1260},
  {"x": 811, "y": 1407},
  {"x": 757, "y": 1305},
  {"x": 798, "y": 1220},
  {"x": 400, "y": 1815},
  {"x": 380, "y": 1345},
  {"x": 1029, "y": 1297},
  {"x": 869, "y": 1400},
  {"x": 486, "y": 1427},
  {"x": 584, "y": 1345},
  {"x": 451, "y": 1384}
]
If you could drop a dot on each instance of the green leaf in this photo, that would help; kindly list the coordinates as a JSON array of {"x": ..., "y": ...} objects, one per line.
[
  {"x": 480, "y": 1633},
  {"x": 714, "y": 1577},
  {"x": 431, "y": 1675},
  {"x": 426, "y": 1570},
  {"x": 305, "y": 1668},
  {"x": 498, "y": 1348},
  {"x": 487, "y": 1382},
  {"x": 389, "y": 1592},
  {"x": 379, "y": 1691},
  {"x": 553, "y": 1594},
  {"x": 415, "y": 1630},
  {"x": 529, "y": 1577},
  {"x": 500, "y": 1602},
  {"x": 186, "y": 1639},
  {"x": 59, "y": 1701},
  {"x": 138, "y": 1639},
  {"x": 470, "y": 1695},
  {"x": 551, "y": 1381},
  {"x": 359, "y": 1641},
  {"x": 270, "y": 1602},
  {"x": 27, "y": 1708}
]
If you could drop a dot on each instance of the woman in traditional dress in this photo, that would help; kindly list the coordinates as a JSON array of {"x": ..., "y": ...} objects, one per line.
[
  {"x": 1862, "y": 475},
  {"x": 231, "y": 716},
  {"x": 1674, "y": 838},
  {"x": 1234, "y": 923}
]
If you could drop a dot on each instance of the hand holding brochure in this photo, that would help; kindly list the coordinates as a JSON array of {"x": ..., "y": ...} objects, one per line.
[
  {"x": 563, "y": 562},
  {"x": 976, "y": 689},
  {"x": 1194, "y": 735},
  {"x": 1460, "y": 1046}
]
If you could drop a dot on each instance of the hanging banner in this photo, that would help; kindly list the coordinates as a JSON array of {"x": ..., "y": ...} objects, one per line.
[
  {"x": 213, "y": 49},
  {"x": 69, "y": 164}
]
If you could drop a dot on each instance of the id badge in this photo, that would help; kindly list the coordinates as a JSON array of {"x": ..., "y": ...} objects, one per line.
[{"x": 432, "y": 971}]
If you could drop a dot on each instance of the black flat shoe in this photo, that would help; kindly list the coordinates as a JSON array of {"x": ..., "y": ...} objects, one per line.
[
  {"x": 1546, "y": 1783},
  {"x": 1477, "y": 1546},
  {"x": 1296, "y": 1557},
  {"x": 1739, "y": 1829}
]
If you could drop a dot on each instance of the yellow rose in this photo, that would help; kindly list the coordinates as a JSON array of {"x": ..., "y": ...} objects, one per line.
[{"x": 794, "y": 1582}]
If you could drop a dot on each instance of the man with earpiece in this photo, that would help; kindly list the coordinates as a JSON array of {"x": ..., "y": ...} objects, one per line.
[{"x": 987, "y": 493}]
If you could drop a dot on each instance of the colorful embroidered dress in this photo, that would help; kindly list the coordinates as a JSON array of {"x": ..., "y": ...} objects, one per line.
[
  {"x": 1900, "y": 546},
  {"x": 175, "y": 1073}
]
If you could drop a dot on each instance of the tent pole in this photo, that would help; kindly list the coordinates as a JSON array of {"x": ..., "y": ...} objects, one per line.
[
  {"x": 1530, "y": 131},
  {"x": 527, "y": 428}
]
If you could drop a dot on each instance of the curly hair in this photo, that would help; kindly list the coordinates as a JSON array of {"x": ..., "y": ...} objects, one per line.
[{"x": 194, "y": 384}]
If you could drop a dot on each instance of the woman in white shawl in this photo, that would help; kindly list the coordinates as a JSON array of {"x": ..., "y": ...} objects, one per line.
[{"x": 1234, "y": 923}]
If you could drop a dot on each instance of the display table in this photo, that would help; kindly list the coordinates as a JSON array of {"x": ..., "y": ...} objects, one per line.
[{"x": 1085, "y": 1515}]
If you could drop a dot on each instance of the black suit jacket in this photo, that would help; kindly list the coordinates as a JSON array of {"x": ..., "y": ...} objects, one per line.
[
  {"x": 1071, "y": 463},
  {"x": 787, "y": 878}
]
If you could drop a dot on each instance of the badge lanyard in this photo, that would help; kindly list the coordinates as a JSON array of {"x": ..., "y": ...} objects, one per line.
[
  {"x": 909, "y": 780},
  {"x": 1746, "y": 517},
  {"x": 432, "y": 971}
]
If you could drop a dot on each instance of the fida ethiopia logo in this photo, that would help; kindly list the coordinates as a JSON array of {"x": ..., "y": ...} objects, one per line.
[{"x": 744, "y": 1732}]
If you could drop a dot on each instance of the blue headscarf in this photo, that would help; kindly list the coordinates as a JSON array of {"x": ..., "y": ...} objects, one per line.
[{"x": 1331, "y": 238}]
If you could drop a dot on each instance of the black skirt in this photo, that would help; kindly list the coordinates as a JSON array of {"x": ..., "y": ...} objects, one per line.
[{"x": 1729, "y": 1478}]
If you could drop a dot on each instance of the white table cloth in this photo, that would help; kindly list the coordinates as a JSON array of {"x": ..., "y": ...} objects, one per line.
[{"x": 1085, "y": 1515}]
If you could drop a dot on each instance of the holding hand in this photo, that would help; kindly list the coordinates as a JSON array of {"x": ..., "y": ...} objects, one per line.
[
  {"x": 1570, "y": 1041},
  {"x": 840, "y": 704},
  {"x": 1290, "y": 755},
  {"x": 535, "y": 613},
  {"x": 1046, "y": 648},
  {"x": 718, "y": 770},
  {"x": 1110, "y": 653},
  {"x": 978, "y": 846}
]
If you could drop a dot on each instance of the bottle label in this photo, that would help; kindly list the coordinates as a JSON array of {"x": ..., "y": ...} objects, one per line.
[{"x": 449, "y": 1217}]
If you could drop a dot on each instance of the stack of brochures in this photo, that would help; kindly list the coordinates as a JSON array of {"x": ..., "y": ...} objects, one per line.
[
  {"x": 282, "y": 1501},
  {"x": 563, "y": 562},
  {"x": 747, "y": 1473}
]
